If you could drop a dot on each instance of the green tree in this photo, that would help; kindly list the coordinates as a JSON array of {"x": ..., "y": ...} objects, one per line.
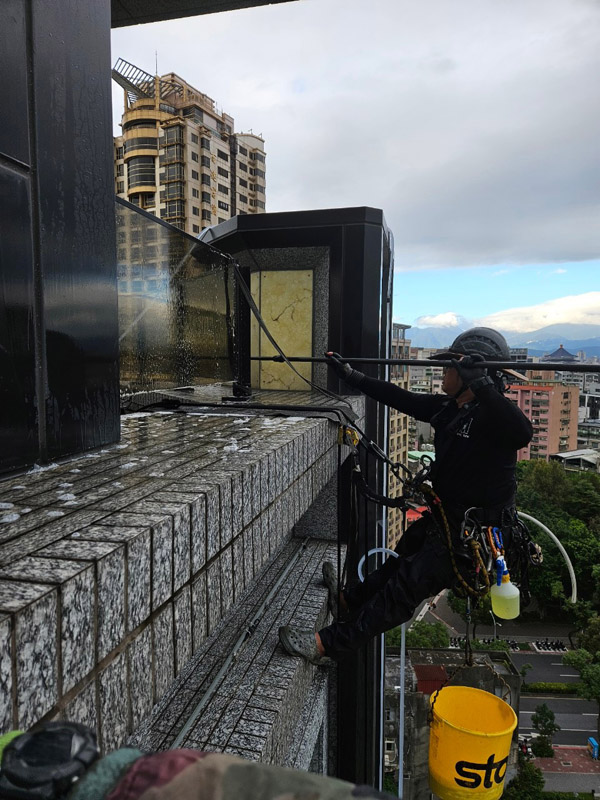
[
  {"x": 589, "y": 637},
  {"x": 528, "y": 783},
  {"x": 544, "y": 722},
  {"x": 525, "y": 669},
  {"x": 421, "y": 635},
  {"x": 588, "y": 667},
  {"x": 569, "y": 504},
  {"x": 578, "y": 659}
]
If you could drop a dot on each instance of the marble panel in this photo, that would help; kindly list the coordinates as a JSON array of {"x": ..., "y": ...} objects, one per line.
[
  {"x": 32, "y": 532},
  {"x": 266, "y": 489},
  {"x": 83, "y": 709},
  {"x": 278, "y": 468},
  {"x": 248, "y": 555},
  {"x": 255, "y": 470},
  {"x": 114, "y": 704},
  {"x": 36, "y": 658},
  {"x": 238, "y": 479},
  {"x": 109, "y": 561},
  {"x": 76, "y": 586},
  {"x": 161, "y": 526},
  {"x": 197, "y": 507},
  {"x": 182, "y": 605},
  {"x": 139, "y": 671},
  {"x": 199, "y": 611},
  {"x": 163, "y": 649},
  {"x": 180, "y": 515},
  {"x": 277, "y": 527},
  {"x": 246, "y": 742},
  {"x": 226, "y": 561},
  {"x": 162, "y": 562},
  {"x": 246, "y": 496},
  {"x": 257, "y": 551},
  {"x": 213, "y": 516},
  {"x": 226, "y": 505},
  {"x": 286, "y": 456},
  {"x": 267, "y": 552},
  {"x": 239, "y": 577},
  {"x": 285, "y": 298},
  {"x": 259, "y": 715},
  {"x": 213, "y": 595},
  {"x": 250, "y": 727},
  {"x": 6, "y": 675},
  {"x": 137, "y": 543}
]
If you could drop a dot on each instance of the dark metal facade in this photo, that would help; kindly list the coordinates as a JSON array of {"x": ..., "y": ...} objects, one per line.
[
  {"x": 58, "y": 297},
  {"x": 359, "y": 322}
]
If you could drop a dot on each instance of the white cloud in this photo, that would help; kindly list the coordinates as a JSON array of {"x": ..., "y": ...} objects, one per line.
[
  {"x": 447, "y": 320},
  {"x": 580, "y": 309},
  {"x": 558, "y": 272},
  {"x": 472, "y": 124}
]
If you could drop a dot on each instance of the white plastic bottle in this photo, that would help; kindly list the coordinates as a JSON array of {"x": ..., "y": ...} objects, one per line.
[{"x": 504, "y": 594}]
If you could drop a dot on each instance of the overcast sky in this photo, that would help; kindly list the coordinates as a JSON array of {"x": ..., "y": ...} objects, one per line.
[{"x": 472, "y": 123}]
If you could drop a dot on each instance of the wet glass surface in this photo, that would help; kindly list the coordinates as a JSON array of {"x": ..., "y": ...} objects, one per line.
[{"x": 175, "y": 306}]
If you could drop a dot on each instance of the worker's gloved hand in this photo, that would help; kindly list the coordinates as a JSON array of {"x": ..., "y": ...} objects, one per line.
[
  {"x": 343, "y": 370},
  {"x": 468, "y": 368}
]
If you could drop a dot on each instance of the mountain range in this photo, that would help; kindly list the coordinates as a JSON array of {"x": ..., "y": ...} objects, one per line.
[{"x": 572, "y": 336}]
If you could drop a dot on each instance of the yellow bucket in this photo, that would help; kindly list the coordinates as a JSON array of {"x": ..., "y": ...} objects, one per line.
[{"x": 469, "y": 743}]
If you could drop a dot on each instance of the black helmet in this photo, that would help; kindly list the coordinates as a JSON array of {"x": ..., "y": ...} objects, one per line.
[
  {"x": 484, "y": 341},
  {"x": 488, "y": 343}
]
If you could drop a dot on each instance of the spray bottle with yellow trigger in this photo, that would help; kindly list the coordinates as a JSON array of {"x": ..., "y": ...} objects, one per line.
[{"x": 504, "y": 594}]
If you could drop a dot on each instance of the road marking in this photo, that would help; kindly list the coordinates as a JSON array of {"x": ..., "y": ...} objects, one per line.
[
  {"x": 589, "y": 714},
  {"x": 563, "y": 730},
  {"x": 569, "y": 675}
]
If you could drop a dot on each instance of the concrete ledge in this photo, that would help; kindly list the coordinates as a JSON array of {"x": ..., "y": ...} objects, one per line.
[
  {"x": 116, "y": 567},
  {"x": 254, "y": 707}
]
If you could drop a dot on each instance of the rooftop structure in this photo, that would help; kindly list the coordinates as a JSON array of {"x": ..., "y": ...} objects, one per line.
[
  {"x": 560, "y": 355},
  {"x": 584, "y": 459}
]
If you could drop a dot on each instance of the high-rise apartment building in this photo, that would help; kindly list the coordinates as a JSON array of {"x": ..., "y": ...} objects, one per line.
[
  {"x": 423, "y": 380},
  {"x": 552, "y": 409},
  {"x": 179, "y": 156},
  {"x": 398, "y": 441}
]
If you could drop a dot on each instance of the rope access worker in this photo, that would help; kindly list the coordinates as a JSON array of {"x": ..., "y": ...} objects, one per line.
[{"x": 478, "y": 432}]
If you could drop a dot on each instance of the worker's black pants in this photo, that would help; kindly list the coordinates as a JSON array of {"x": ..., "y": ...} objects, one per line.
[{"x": 389, "y": 596}]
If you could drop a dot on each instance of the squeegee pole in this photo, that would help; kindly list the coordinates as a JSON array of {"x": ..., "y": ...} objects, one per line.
[{"x": 522, "y": 366}]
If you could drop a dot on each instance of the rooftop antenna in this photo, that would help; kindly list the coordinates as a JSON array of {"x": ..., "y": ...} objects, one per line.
[{"x": 156, "y": 60}]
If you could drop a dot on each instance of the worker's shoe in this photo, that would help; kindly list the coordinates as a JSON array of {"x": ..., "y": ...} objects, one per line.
[
  {"x": 330, "y": 581},
  {"x": 298, "y": 642}
]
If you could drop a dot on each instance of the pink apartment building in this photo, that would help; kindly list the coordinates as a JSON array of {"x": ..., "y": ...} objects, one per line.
[{"x": 552, "y": 409}]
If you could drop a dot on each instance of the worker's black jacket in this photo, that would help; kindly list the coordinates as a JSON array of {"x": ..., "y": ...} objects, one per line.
[{"x": 475, "y": 463}]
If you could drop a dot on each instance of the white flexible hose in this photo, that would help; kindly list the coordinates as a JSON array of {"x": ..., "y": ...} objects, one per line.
[
  {"x": 372, "y": 552},
  {"x": 563, "y": 552}
]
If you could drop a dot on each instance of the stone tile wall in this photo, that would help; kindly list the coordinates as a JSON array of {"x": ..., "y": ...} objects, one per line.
[{"x": 116, "y": 566}]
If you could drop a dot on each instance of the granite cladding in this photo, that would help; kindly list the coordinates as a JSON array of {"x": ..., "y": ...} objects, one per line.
[{"x": 121, "y": 568}]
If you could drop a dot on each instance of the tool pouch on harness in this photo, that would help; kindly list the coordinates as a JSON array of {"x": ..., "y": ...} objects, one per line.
[{"x": 498, "y": 532}]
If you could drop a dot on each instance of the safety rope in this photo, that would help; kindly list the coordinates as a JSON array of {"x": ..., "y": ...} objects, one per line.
[
  {"x": 474, "y": 545},
  {"x": 409, "y": 483}
]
